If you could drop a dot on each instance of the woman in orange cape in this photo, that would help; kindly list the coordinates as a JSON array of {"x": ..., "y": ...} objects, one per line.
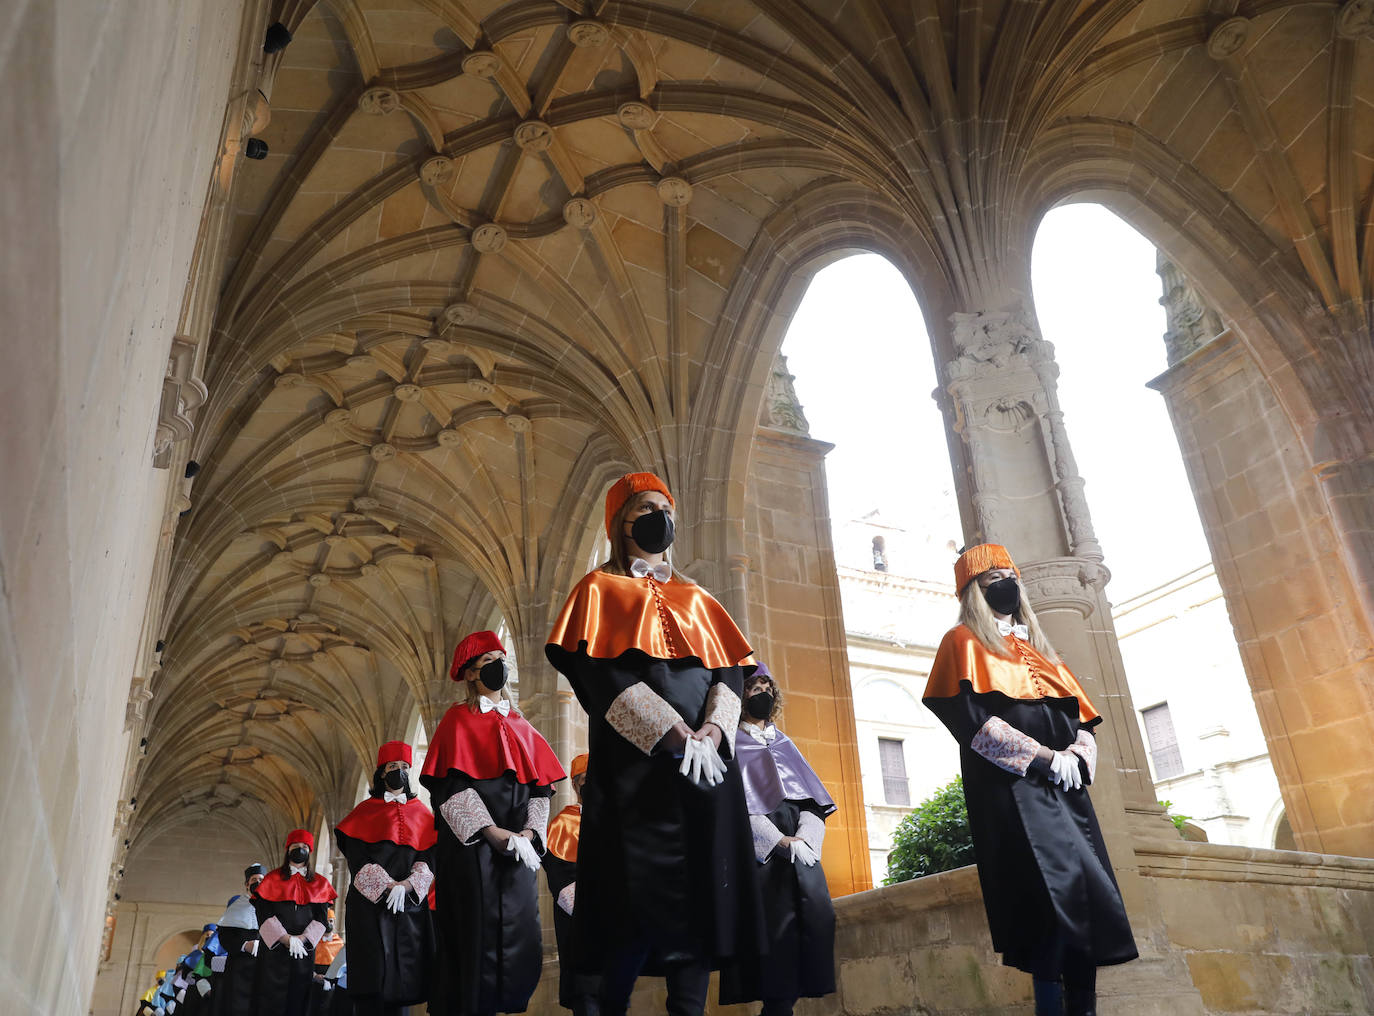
[
  {"x": 665, "y": 881},
  {"x": 1024, "y": 727}
]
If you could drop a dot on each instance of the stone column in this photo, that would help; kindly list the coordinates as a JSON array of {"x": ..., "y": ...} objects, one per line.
[
  {"x": 794, "y": 617},
  {"x": 1293, "y": 603}
]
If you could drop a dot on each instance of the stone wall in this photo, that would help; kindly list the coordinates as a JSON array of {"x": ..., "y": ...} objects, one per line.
[
  {"x": 115, "y": 112},
  {"x": 1307, "y": 652}
]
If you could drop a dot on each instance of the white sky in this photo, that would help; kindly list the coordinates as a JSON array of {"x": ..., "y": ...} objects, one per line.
[{"x": 864, "y": 369}]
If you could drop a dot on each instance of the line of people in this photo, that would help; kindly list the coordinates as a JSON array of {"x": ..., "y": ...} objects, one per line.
[{"x": 696, "y": 838}]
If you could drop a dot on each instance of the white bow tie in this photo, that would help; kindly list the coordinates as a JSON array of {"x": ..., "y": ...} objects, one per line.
[
  {"x": 661, "y": 572},
  {"x": 298, "y": 869},
  {"x": 399, "y": 797},
  {"x": 1005, "y": 628},
  {"x": 487, "y": 705},
  {"x": 764, "y": 735}
]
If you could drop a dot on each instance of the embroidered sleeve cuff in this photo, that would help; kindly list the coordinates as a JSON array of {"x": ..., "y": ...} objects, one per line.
[
  {"x": 1085, "y": 747},
  {"x": 372, "y": 880},
  {"x": 811, "y": 828},
  {"x": 766, "y": 836},
  {"x": 723, "y": 709},
  {"x": 1005, "y": 746},
  {"x": 314, "y": 931},
  {"x": 466, "y": 815},
  {"x": 421, "y": 878},
  {"x": 566, "y": 897},
  {"x": 537, "y": 820},
  {"x": 217, "y": 964},
  {"x": 641, "y": 716},
  {"x": 271, "y": 932}
]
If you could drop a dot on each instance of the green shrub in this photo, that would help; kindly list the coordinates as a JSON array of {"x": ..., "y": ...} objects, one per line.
[
  {"x": 934, "y": 837},
  {"x": 1179, "y": 821}
]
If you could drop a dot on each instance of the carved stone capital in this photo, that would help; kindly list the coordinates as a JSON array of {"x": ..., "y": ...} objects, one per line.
[
  {"x": 1356, "y": 20},
  {"x": 182, "y": 394},
  {"x": 992, "y": 343},
  {"x": 1065, "y": 583},
  {"x": 674, "y": 191},
  {"x": 379, "y": 101}
]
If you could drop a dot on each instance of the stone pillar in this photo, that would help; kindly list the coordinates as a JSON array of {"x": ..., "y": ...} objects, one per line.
[
  {"x": 795, "y": 622},
  {"x": 1295, "y": 609}
]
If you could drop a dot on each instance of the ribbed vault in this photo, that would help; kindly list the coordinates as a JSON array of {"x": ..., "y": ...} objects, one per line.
[{"x": 500, "y": 251}]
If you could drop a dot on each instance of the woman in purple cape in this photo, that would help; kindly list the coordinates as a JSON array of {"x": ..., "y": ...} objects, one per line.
[{"x": 788, "y": 807}]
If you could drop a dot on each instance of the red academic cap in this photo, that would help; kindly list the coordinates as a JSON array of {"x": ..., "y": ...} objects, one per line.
[
  {"x": 475, "y": 645},
  {"x": 299, "y": 836},
  {"x": 393, "y": 751}
]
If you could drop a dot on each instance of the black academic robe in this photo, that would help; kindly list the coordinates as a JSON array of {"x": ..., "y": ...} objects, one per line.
[
  {"x": 490, "y": 948},
  {"x": 233, "y": 986},
  {"x": 389, "y": 955},
  {"x": 800, "y": 961},
  {"x": 571, "y": 984},
  {"x": 282, "y": 984},
  {"x": 1047, "y": 882},
  {"x": 660, "y": 860}
]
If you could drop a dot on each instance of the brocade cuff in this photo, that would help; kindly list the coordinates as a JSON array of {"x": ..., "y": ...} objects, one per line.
[
  {"x": 314, "y": 931},
  {"x": 271, "y": 932},
  {"x": 466, "y": 815},
  {"x": 641, "y": 716},
  {"x": 1005, "y": 746},
  {"x": 723, "y": 709},
  {"x": 811, "y": 828},
  {"x": 421, "y": 878},
  {"x": 766, "y": 836},
  {"x": 566, "y": 897},
  {"x": 537, "y": 820},
  {"x": 372, "y": 880},
  {"x": 217, "y": 963},
  {"x": 1085, "y": 747}
]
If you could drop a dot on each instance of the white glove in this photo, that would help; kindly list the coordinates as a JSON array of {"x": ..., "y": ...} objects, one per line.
[
  {"x": 701, "y": 763},
  {"x": 328, "y": 985},
  {"x": 801, "y": 851},
  {"x": 524, "y": 851},
  {"x": 203, "y": 986},
  {"x": 296, "y": 948},
  {"x": 1064, "y": 767},
  {"x": 567, "y": 897},
  {"x": 251, "y": 948},
  {"x": 396, "y": 898}
]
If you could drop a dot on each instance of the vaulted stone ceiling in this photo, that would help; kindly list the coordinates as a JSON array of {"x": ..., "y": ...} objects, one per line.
[{"x": 500, "y": 251}]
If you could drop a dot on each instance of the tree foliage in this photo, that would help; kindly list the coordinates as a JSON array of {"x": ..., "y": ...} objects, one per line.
[{"x": 934, "y": 837}]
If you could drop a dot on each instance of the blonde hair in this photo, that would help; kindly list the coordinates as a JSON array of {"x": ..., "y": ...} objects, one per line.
[
  {"x": 619, "y": 562},
  {"x": 977, "y": 617}
]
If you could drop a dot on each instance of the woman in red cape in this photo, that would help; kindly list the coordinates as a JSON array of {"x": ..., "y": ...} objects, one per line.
[
  {"x": 388, "y": 840},
  {"x": 490, "y": 776},
  {"x": 292, "y": 905}
]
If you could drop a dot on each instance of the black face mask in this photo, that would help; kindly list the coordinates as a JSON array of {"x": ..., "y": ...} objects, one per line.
[
  {"x": 298, "y": 855},
  {"x": 395, "y": 780},
  {"x": 1003, "y": 596},
  {"x": 653, "y": 532},
  {"x": 760, "y": 705},
  {"x": 493, "y": 675}
]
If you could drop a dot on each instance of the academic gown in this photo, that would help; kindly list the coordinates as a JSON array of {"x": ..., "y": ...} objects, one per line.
[
  {"x": 486, "y": 910},
  {"x": 233, "y": 983},
  {"x": 560, "y": 868},
  {"x": 390, "y": 955},
  {"x": 1048, "y": 886},
  {"x": 282, "y": 984},
  {"x": 661, "y": 860},
  {"x": 781, "y": 786}
]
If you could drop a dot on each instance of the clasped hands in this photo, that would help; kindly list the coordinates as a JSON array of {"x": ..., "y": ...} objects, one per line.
[
  {"x": 517, "y": 844},
  {"x": 1064, "y": 770},
  {"x": 800, "y": 850},
  {"x": 701, "y": 761}
]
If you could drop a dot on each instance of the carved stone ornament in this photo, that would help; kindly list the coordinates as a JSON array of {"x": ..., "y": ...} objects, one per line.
[
  {"x": 369, "y": 570},
  {"x": 534, "y": 136},
  {"x": 366, "y": 504},
  {"x": 379, "y": 101},
  {"x": 579, "y": 213},
  {"x": 1064, "y": 583},
  {"x": 460, "y": 313},
  {"x": 1190, "y": 322},
  {"x": 436, "y": 171},
  {"x": 781, "y": 408},
  {"x": 1228, "y": 38},
  {"x": 481, "y": 63},
  {"x": 408, "y": 392},
  {"x": 382, "y": 451},
  {"x": 988, "y": 342},
  {"x": 638, "y": 116},
  {"x": 449, "y": 438},
  {"x": 517, "y": 422},
  {"x": 1356, "y": 20},
  {"x": 588, "y": 34},
  {"x": 489, "y": 238},
  {"x": 319, "y": 580},
  {"x": 339, "y": 417},
  {"x": 182, "y": 394},
  {"x": 674, "y": 191},
  {"x": 481, "y": 386}
]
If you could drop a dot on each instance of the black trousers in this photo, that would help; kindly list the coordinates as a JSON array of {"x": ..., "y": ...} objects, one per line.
[{"x": 688, "y": 982}]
